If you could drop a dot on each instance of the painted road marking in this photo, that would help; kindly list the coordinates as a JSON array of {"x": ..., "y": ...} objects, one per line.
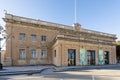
[{"x": 93, "y": 77}]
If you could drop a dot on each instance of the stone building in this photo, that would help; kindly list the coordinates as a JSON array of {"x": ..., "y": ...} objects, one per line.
[{"x": 34, "y": 42}]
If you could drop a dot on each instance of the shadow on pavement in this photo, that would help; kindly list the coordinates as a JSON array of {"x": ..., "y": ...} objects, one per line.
[{"x": 4, "y": 78}]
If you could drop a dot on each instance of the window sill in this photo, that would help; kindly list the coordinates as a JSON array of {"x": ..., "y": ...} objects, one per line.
[
  {"x": 22, "y": 59},
  {"x": 43, "y": 58},
  {"x": 43, "y": 41},
  {"x": 33, "y": 58}
]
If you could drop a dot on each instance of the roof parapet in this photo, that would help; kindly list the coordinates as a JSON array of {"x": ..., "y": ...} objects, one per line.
[{"x": 77, "y": 26}]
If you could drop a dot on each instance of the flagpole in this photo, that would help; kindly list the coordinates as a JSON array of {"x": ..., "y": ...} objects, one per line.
[{"x": 75, "y": 11}]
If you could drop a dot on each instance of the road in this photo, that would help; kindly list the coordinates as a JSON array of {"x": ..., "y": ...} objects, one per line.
[{"x": 94, "y": 74}]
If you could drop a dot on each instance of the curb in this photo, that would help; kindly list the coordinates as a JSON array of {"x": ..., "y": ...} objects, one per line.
[{"x": 30, "y": 72}]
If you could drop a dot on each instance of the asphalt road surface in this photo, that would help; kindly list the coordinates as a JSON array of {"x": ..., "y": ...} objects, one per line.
[{"x": 94, "y": 74}]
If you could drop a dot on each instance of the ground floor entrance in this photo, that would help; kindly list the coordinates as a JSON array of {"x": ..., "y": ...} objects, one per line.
[
  {"x": 91, "y": 57},
  {"x": 71, "y": 57},
  {"x": 106, "y": 57}
]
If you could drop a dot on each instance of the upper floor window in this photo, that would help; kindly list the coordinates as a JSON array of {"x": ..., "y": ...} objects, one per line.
[
  {"x": 43, "y": 38},
  {"x": 54, "y": 53},
  {"x": 22, "y": 54},
  {"x": 33, "y": 37},
  {"x": 22, "y": 36},
  {"x": 33, "y": 53},
  {"x": 43, "y": 54}
]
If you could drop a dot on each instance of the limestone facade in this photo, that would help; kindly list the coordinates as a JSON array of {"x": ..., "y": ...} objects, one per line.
[{"x": 59, "y": 39}]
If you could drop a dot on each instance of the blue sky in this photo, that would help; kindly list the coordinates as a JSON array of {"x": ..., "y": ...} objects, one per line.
[{"x": 99, "y": 15}]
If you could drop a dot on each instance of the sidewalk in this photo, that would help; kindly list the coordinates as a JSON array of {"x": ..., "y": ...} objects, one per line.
[
  {"x": 14, "y": 70},
  {"x": 77, "y": 68}
]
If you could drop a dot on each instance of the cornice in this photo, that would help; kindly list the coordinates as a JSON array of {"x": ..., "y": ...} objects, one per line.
[
  {"x": 62, "y": 37},
  {"x": 39, "y": 23}
]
